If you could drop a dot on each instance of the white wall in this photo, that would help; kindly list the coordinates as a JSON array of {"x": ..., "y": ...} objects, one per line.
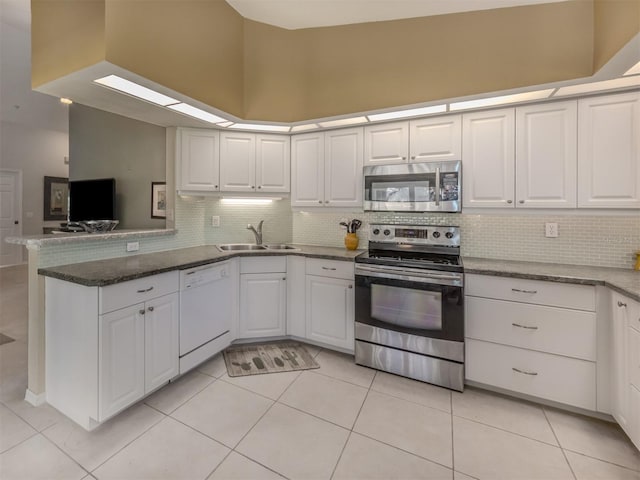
[{"x": 33, "y": 127}]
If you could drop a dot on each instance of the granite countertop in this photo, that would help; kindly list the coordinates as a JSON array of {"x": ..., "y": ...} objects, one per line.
[
  {"x": 625, "y": 281},
  {"x": 77, "y": 237},
  {"x": 115, "y": 270}
]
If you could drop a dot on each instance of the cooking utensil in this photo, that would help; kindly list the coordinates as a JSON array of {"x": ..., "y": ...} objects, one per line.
[
  {"x": 355, "y": 225},
  {"x": 344, "y": 224}
]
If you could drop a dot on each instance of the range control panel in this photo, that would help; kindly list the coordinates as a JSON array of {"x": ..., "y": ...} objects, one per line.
[{"x": 415, "y": 234}]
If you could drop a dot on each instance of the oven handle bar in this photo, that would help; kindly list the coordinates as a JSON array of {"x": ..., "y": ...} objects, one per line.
[{"x": 411, "y": 275}]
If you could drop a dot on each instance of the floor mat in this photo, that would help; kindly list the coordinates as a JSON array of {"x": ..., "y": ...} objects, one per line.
[{"x": 258, "y": 358}]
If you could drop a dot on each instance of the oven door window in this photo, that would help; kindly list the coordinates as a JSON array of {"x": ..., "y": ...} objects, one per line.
[
  {"x": 416, "y": 309},
  {"x": 400, "y": 188}
]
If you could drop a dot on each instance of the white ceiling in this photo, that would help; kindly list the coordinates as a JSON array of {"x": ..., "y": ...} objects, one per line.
[{"x": 295, "y": 14}]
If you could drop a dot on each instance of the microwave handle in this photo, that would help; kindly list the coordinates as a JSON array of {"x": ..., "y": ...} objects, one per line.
[{"x": 437, "y": 187}]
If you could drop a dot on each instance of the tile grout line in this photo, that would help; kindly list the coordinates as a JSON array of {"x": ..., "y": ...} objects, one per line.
[
  {"x": 453, "y": 450},
  {"x": 564, "y": 454},
  {"x": 601, "y": 460}
]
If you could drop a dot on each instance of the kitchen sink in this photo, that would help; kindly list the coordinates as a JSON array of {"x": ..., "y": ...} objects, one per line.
[
  {"x": 281, "y": 247},
  {"x": 241, "y": 246}
]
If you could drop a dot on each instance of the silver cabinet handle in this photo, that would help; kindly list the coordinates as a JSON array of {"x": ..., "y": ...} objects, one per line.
[
  {"x": 509, "y": 201},
  {"x": 328, "y": 268},
  {"x": 404, "y": 158},
  {"x": 413, "y": 157},
  {"x": 215, "y": 186},
  {"x": 326, "y": 201},
  {"x": 190, "y": 273},
  {"x": 521, "y": 201},
  {"x": 145, "y": 290},
  {"x": 350, "y": 286},
  {"x": 141, "y": 312},
  {"x": 253, "y": 186},
  {"x": 622, "y": 304},
  {"x": 284, "y": 278},
  {"x": 259, "y": 186},
  {"x": 150, "y": 309},
  {"x": 523, "y": 291},
  {"x": 319, "y": 201},
  {"x": 524, "y": 372},
  {"x": 524, "y": 326}
]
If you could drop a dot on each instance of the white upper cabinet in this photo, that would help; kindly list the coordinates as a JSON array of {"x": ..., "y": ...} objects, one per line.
[
  {"x": 546, "y": 155},
  {"x": 609, "y": 151},
  {"x": 237, "y": 162},
  {"x": 386, "y": 144},
  {"x": 197, "y": 160},
  {"x": 343, "y": 168},
  {"x": 436, "y": 138},
  {"x": 273, "y": 163},
  {"x": 254, "y": 163},
  {"x": 488, "y": 158},
  {"x": 327, "y": 169}
]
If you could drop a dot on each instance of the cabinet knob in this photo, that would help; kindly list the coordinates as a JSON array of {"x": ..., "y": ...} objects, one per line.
[
  {"x": 319, "y": 201},
  {"x": 350, "y": 286},
  {"x": 259, "y": 187},
  {"x": 521, "y": 201},
  {"x": 622, "y": 304},
  {"x": 141, "y": 312},
  {"x": 413, "y": 157},
  {"x": 509, "y": 201},
  {"x": 150, "y": 309},
  {"x": 326, "y": 201},
  {"x": 284, "y": 278},
  {"x": 253, "y": 186},
  {"x": 404, "y": 158},
  {"x": 215, "y": 186}
]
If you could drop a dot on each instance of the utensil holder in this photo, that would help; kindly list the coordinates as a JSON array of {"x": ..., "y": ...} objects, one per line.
[{"x": 351, "y": 241}]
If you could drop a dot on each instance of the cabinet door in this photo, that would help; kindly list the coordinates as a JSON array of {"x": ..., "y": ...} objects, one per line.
[
  {"x": 609, "y": 151},
  {"x": 262, "y": 304},
  {"x": 273, "y": 164},
  {"x": 386, "y": 144},
  {"x": 330, "y": 311},
  {"x": 634, "y": 430},
  {"x": 307, "y": 170},
  {"x": 546, "y": 155},
  {"x": 120, "y": 359},
  {"x": 619, "y": 361},
  {"x": 488, "y": 158},
  {"x": 436, "y": 139},
  {"x": 343, "y": 168},
  {"x": 237, "y": 162},
  {"x": 198, "y": 160},
  {"x": 160, "y": 341}
]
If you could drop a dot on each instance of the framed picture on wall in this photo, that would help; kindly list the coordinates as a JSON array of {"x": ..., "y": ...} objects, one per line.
[
  {"x": 158, "y": 200},
  {"x": 56, "y": 198}
]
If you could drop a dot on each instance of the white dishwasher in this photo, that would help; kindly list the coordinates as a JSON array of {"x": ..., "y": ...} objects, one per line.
[{"x": 206, "y": 312}]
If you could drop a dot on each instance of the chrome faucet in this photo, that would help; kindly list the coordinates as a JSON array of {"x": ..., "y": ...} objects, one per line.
[{"x": 257, "y": 232}]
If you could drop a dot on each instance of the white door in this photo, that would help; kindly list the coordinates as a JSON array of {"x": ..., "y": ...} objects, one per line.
[
  {"x": 120, "y": 359},
  {"x": 307, "y": 170},
  {"x": 488, "y": 158},
  {"x": 161, "y": 341},
  {"x": 198, "y": 160},
  {"x": 609, "y": 151},
  {"x": 330, "y": 311},
  {"x": 273, "y": 163},
  {"x": 237, "y": 162},
  {"x": 262, "y": 304},
  {"x": 343, "y": 168},
  {"x": 386, "y": 144},
  {"x": 436, "y": 139},
  {"x": 619, "y": 361},
  {"x": 546, "y": 155},
  {"x": 10, "y": 216}
]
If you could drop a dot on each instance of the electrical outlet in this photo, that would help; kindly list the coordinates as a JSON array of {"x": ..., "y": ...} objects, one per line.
[
  {"x": 551, "y": 230},
  {"x": 215, "y": 220},
  {"x": 133, "y": 246}
]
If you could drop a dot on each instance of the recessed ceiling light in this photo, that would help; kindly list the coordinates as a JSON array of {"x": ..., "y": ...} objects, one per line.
[
  {"x": 413, "y": 112},
  {"x": 196, "y": 113},
  {"x": 598, "y": 86},
  {"x": 302, "y": 128},
  {"x": 262, "y": 128},
  {"x": 66, "y": 101},
  {"x": 343, "y": 121},
  {"x": 501, "y": 100},
  {"x": 635, "y": 70},
  {"x": 125, "y": 86}
]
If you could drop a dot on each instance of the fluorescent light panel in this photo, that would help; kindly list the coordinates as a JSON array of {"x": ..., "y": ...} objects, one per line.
[
  {"x": 303, "y": 128},
  {"x": 503, "y": 99},
  {"x": 343, "y": 121},
  {"x": 413, "y": 112},
  {"x": 194, "y": 112},
  {"x": 130, "y": 88},
  {"x": 248, "y": 200},
  {"x": 635, "y": 70},
  {"x": 598, "y": 86},
  {"x": 261, "y": 127}
]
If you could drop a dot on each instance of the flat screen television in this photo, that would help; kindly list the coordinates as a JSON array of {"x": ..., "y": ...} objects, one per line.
[{"x": 92, "y": 199}]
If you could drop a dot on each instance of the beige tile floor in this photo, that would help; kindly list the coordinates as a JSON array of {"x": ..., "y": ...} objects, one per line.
[{"x": 340, "y": 421}]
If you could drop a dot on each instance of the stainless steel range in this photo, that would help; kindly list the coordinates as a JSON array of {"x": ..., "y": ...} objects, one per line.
[{"x": 410, "y": 303}]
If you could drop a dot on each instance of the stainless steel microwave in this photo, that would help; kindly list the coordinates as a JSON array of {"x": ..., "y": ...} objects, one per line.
[{"x": 413, "y": 187}]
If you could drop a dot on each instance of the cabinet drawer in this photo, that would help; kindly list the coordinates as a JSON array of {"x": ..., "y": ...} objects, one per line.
[
  {"x": 330, "y": 268},
  {"x": 579, "y": 297},
  {"x": 263, "y": 264},
  {"x": 560, "y": 379},
  {"x": 536, "y": 327},
  {"x": 120, "y": 295}
]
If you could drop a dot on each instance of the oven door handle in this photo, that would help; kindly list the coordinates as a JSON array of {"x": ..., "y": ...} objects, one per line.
[{"x": 397, "y": 273}]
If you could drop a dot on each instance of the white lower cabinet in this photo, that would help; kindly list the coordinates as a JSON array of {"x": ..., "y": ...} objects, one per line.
[
  {"x": 330, "y": 303},
  {"x": 516, "y": 334}
]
